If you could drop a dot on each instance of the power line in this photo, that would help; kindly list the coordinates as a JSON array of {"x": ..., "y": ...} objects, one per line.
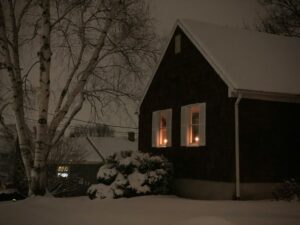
[
  {"x": 74, "y": 126},
  {"x": 84, "y": 121}
]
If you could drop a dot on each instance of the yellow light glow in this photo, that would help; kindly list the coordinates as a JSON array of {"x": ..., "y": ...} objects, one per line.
[
  {"x": 196, "y": 139},
  {"x": 165, "y": 141}
]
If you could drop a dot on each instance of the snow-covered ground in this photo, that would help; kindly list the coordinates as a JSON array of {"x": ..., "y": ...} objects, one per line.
[{"x": 150, "y": 210}]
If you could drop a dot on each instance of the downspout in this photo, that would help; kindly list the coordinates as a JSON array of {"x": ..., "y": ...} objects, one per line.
[{"x": 237, "y": 148}]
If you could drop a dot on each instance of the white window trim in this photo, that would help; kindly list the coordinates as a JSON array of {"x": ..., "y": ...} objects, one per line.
[
  {"x": 156, "y": 128},
  {"x": 185, "y": 125}
]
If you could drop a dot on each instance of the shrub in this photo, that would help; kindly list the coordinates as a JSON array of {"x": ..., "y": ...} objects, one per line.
[
  {"x": 289, "y": 190},
  {"x": 67, "y": 187},
  {"x": 128, "y": 174}
]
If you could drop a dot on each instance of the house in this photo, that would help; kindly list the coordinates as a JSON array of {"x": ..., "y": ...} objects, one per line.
[
  {"x": 73, "y": 167},
  {"x": 223, "y": 106}
]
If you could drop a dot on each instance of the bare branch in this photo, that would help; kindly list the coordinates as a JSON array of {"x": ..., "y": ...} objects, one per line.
[
  {"x": 76, "y": 109},
  {"x": 81, "y": 83},
  {"x": 2, "y": 123},
  {"x": 66, "y": 12},
  {"x": 73, "y": 72},
  {"x": 24, "y": 10}
]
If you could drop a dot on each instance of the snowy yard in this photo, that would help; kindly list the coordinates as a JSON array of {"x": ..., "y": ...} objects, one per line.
[{"x": 150, "y": 210}]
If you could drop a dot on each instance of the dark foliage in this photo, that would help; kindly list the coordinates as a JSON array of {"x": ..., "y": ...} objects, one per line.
[
  {"x": 283, "y": 17},
  {"x": 289, "y": 190},
  {"x": 128, "y": 174},
  {"x": 19, "y": 177},
  {"x": 67, "y": 187},
  {"x": 11, "y": 196}
]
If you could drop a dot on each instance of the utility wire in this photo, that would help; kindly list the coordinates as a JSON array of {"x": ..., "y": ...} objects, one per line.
[
  {"x": 74, "y": 126},
  {"x": 84, "y": 121}
]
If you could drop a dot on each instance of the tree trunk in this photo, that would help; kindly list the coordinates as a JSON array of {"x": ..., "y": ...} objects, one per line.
[
  {"x": 13, "y": 70},
  {"x": 38, "y": 173},
  {"x": 38, "y": 181}
]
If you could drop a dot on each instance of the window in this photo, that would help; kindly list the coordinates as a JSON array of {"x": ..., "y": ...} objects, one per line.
[
  {"x": 161, "y": 128},
  {"x": 193, "y": 122},
  {"x": 63, "y": 171},
  {"x": 177, "y": 47}
]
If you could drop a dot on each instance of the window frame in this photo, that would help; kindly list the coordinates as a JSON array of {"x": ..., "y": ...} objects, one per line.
[
  {"x": 63, "y": 171},
  {"x": 158, "y": 130},
  {"x": 187, "y": 124}
]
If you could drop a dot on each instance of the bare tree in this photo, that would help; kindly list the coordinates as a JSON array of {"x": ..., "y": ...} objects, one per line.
[
  {"x": 101, "y": 46},
  {"x": 283, "y": 17},
  {"x": 66, "y": 151}
]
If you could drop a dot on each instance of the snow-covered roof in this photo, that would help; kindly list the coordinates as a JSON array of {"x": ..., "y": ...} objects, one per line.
[
  {"x": 105, "y": 145},
  {"x": 247, "y": 60}
]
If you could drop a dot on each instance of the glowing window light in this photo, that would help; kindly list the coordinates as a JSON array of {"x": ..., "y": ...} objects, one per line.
[
  {"x": 64, "y": 175},
  {"x": 63, "y": 171}
]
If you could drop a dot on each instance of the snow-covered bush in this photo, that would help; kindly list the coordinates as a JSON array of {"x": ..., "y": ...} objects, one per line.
[
  {"x": 289, "y": 190},
  {"x": 127, "y": 174}
]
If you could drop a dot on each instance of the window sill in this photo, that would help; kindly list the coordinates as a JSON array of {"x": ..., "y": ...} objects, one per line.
[
  {"x": 162, "y": 146},
  {"x": 194, "y": 145}
]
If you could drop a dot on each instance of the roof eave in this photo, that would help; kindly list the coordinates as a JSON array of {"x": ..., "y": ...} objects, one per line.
[{"x": 265, "y": 96}]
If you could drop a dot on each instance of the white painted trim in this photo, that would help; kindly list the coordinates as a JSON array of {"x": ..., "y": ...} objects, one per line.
[
  {"x": 265, "y": 96},
  {"x": 185, "y": 125},
  {"x": 156, "y": 128}
]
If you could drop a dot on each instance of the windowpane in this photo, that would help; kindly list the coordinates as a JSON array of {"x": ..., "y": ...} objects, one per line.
[
  {"x": 194, "y": 125},
  {"x": 163, "y": 121},
  {"x": 194, "y": 133},
  {"x": 163, "y": 136},
  {"x": 195, "y": 117},
  {"x": 163, "y": 129}
]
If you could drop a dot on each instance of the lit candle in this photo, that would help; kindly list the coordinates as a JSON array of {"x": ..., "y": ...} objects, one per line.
[
  {"x": 196, "y": 139},
  {"x": 165, "y": 141}
]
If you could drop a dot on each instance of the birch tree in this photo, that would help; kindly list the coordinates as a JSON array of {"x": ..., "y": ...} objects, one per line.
[{"x": 100, "y": 46}]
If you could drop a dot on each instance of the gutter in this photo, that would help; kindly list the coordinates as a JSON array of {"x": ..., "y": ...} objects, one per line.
[{"x": 237, "y": 148}]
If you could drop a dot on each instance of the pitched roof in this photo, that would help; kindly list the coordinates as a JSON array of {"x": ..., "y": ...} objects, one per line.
[
  {"x": 105, "y": 145},
  {"x": 246, "y": 60}
]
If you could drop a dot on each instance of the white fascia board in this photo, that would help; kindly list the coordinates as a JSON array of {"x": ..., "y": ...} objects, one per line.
[{"x": 265, "y": 96}]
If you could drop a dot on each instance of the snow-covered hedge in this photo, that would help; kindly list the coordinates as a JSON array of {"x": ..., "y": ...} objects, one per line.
[
  {"x": 289, "y": 190},
  {"x": 128, "y": 174}
]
